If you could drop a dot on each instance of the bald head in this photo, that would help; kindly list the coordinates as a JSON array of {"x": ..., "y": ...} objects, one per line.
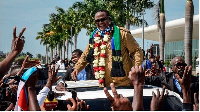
[
  {"x": 177, "y": 59},
  {"x": 178, "y": 65}
]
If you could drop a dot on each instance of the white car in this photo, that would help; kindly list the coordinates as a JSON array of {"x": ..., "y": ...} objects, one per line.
[{"x": 96, "y": 98}]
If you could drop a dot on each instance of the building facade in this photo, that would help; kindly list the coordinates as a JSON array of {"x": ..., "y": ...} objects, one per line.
[{"x": 176, "y": 48}]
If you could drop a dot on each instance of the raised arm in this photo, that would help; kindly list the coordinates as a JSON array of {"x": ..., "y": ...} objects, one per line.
[
  {"x": 52, "y": 79},
  {"x": 16, "y": 48},
  {"x": 30, "y": 84},
  {"x": 136, "y": 75},
  {"x": 185, "y": 82}
]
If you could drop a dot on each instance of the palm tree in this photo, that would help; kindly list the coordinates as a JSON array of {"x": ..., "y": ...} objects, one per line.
[
  {"x": 189, "y": 12},
  {"x": 160, "y": 17},
  {"x": 128, "y": 12},
  {"x": 59, "y": 25},
  {"x": 45, "y": 38},
  {"x": 131, "y": 9},
  {"x": 162, "y": 30}
]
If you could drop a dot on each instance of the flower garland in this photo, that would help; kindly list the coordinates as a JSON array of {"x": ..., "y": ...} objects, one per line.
[{"x": 99, "y": 63}]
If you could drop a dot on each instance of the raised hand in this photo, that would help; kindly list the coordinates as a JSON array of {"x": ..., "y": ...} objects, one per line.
[
  {"x": 52, "y": 76},
  {"x": 185, "y": 81},
  {"x": 118, "y": 102},
  {"x": 158, "y": 100},
  {"x": 77, "y": 105},
  {"x": 136, "y": 75},
  {"x": 83, "y": 106},
  {"x": 16, "y": 48},
  {"x": 17, "y": 42},
  {"x": 74, "y": 74}
]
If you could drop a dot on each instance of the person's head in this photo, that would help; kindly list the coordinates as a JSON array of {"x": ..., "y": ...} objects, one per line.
[
  {"x": 18, "y": 62},
  {"x": 153, "y": 63},
  {"x": 62, "y": 61},
  {"x": 66, "y": 60},
  {"x": 76, "y": 54},
  {"x": 102, "y": 19},
  {"x": 157, "y": 58},
  {"x": 178, "y": 65},
  {"x": 58, "y": 58},
  {"x": 14, "y": 70},
  {"x": 53, "y": 62},
  {"x": 143, "y": 54},
  {"x": 152, "y": 60}
]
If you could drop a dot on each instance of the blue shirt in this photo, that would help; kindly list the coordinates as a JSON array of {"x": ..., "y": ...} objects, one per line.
[
  {"x": 176, "y": 83},
  {"x": 148, "y": 64},
  {"x": 81, "y": 75}
]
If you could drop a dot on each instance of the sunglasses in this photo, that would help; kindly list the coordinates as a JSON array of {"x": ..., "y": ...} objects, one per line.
[
  {"x": 102, "y": 20},
  {"x": 180, "y": 64}
]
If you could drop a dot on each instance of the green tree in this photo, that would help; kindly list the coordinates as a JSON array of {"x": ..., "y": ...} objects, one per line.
[
  {"x": 39, "y": 56},
  {"x": 128, "y": 12},
  {"x": 189, "y": 12},
  {"x": 45, "y": 38},
  {"x": 122, "y": 11}
]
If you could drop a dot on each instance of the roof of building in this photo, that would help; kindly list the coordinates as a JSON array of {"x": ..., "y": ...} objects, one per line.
[{"x": 174, "y": 30}]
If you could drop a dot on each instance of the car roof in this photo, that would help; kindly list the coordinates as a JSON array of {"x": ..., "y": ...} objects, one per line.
[{"x": 95, "y": 92}]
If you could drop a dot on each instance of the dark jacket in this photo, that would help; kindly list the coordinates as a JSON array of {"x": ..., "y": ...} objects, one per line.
[{"x": 166, "y": 79}]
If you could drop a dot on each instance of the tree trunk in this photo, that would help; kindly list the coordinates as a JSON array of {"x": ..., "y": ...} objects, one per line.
[
  {"x": 75, "y": 41},
  {"x": 59, "y": 50},
  {"x": 67, "y": 47},
  {"x": 189, "y": 12},
  {"x": 162, "y": 36},
  {"x": 46, "y": 54},
  {"x": 64, "y": 49},
  {"x": 128, "y": 24},
  {"x": 51, "y": 57},
  {"x": 55, "y": 52},
  {"x": 127, "y": 16}
]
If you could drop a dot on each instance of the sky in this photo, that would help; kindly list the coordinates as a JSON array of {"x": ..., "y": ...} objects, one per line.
[{"x": 32, "y": 14}]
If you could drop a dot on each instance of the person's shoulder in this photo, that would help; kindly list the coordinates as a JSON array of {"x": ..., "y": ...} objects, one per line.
[
  {"x": 124, "y": 29},
  {"x": 169, "y": 74}
]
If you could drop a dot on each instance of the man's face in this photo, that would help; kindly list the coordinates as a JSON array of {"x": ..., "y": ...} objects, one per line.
[
  {"x": 75, "y": 57},
  {"x": 102, "y": 21},
  {"x": 178, "y": 66}
]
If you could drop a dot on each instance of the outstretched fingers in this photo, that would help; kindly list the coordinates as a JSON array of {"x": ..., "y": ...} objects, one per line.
[
  {"x": 14, "y": 32},
  {"x": 185, "y": 72},
  {"x": 21, "y": 33},
  {"x": 153, "y": 94},
  {"x": 109, "y": 97},
  {"x": 112, "y": 86}
]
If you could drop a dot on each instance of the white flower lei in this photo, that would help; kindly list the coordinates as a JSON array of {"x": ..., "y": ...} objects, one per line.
[{"x": 99, "y": 74}]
